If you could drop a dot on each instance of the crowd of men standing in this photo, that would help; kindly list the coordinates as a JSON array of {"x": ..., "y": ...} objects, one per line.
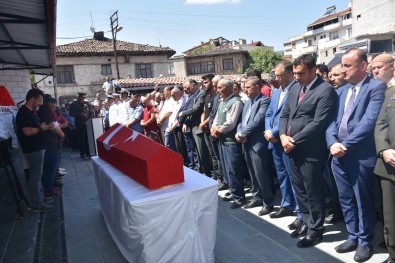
[{"x": 321, "y": 128}]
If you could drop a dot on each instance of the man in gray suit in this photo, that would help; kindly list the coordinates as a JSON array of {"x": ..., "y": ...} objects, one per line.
[{"x": 255, "y": 147}]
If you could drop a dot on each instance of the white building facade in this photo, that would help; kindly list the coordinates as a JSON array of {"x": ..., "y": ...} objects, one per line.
[{"x": 323, "y": 36}]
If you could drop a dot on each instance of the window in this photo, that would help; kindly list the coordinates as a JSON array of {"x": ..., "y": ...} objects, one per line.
[
  {"x": 106, "y": 69},
  {"x": 334, "y": 51},
  {"x": 333, "y": 35},
  {"x": 200, "y": 68},
  {"x": 171, "y": 68},
  {"x": 65, "y": 74},
  {"x": 143, "y": 71},
  {"x": 349, "y": 32},
  {"x": 227, "y": 64},
  {"x": 326, "y": 53}
]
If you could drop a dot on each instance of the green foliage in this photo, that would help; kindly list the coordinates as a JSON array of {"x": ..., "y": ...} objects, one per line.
[
  {"x": 200, "y": 49},
  {"x": 263, "y": 59},
  {"x": 32, "y": 79}
]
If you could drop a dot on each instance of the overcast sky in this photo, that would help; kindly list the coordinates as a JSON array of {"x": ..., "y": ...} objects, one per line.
[{"x": 183, "y": 24}]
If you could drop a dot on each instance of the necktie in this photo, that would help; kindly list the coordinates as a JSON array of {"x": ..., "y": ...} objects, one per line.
[
  {"x": 248, "y": 114},
  {"x": 301, "y": 94},
  {"x": 343, "y": 131}
]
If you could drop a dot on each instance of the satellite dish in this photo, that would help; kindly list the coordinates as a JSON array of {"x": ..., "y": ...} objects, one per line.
[{"x": 92, "y": 29}]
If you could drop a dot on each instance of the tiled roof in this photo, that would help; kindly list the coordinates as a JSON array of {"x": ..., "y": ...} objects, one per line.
[
  {"x": 220, "y": 50},
  {"x": 104, "y": 47},
  {"x": 330, "y": 17},
  {"x": 169, "y": 81},
  {"x": 205, "y": 44}
]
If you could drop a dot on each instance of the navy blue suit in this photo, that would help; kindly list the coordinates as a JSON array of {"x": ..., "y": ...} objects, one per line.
[
  {"x": 255, "y": 150},
  {"x": 354, "y": 171},
  {"x": 281, "y": 159}
]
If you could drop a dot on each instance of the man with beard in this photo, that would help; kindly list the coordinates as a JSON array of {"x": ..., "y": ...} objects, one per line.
[
  {"x": 336, "y": 76},
  {"x": 204, "y": 124},
  {"x": 305, "y": 117}
]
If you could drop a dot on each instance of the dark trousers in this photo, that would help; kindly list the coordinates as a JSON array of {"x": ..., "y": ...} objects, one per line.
[
  {"x": 191, "y": 150},
  {"x": 355, "y": 184},
  {"x": 328, "y": 175},
  {"x": 388, "y": 189},
  {"x": 283, "y": 169},
  {"x": 233, "y": 171},
  {"x": 202, "y": 151},
  {"x": 180, "y": 145},
  {"x": 212, "y": 147},
  {"x": 308, "y": 183},
  {"x": 262, "y": 181}
]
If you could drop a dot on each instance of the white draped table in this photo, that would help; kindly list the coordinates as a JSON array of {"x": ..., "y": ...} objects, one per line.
[{"x": 173, "y": 224}]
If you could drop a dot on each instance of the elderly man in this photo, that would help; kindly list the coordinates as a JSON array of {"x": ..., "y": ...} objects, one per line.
[
  {"x": 175, "y": 140},
  {"x": 163, "y": 117},
  {"x": 351, "y": 142},
  {"x": 255, "y": 147},
  {"x": 336, "y": 76},
  {"x": 382, "y": 69},
  {"x": 284, "y": 76},
  {"x": 307, "y": 113},
  {"x": 224, "y": 128}
]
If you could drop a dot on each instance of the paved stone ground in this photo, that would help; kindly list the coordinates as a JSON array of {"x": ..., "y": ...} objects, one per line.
[{"x": 75, "y": 231}]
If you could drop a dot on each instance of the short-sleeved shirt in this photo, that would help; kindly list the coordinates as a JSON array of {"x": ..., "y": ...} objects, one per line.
[
  {"x": 28, "y": 118},
  {"x": 136, "y": 114},
  {"x": 146, "y": 116}
]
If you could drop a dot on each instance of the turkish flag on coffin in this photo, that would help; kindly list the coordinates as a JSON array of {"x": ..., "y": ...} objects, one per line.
[{"x": 142, "y": 159}]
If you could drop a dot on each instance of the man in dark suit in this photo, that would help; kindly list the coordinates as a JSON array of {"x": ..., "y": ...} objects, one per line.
[
  {"x": 255, "y": 149},
  {"x": 193, "y": 117},
  {"x": 305, "y": 117},
  {"x": 284, "y": 76},
  {"x": 351, "y": 142},
  {"x": 384, "y": 136}
]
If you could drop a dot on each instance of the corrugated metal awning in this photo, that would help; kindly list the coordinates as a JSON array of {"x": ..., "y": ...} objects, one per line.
[{"x": 27, "y": 35}]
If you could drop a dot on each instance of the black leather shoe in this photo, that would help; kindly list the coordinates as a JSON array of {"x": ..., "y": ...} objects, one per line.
[
  {"x": 281, "y": 213},
  {"x": 332, "y": 218},
  {"x": 300, "y": 232},
  {"x": 295, "y": 224},
  {"x": 363, "y": 253},
  {"x": 253, "y": 203},
  {"x": 223, "y": 186},
  {"x": 265, "y": 210},
  {"x": 236, "y": 204},
  {"x": 228, "y": 198},
  {"x": 388, "y": 260},
  {"x": 309, "y": 241},
  {"x": 346, "y": 246},
  {"x": 229, "y": 193}
]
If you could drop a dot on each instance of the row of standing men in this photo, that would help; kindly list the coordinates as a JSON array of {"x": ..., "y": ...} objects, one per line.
[{"x": 303, "y": 121}]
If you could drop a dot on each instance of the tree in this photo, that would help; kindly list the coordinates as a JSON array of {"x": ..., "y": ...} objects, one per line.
[{"x": 263, "y": 59}]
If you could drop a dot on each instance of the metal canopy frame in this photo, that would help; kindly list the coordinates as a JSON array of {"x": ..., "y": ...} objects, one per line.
[{"x": 27, "y": 36}]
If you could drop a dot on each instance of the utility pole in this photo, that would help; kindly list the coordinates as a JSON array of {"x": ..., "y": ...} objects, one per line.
[{"x": 114, "y": 30}]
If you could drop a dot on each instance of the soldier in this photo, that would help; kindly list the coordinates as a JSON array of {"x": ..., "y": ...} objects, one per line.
[{"x": 79, "y": 109}]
